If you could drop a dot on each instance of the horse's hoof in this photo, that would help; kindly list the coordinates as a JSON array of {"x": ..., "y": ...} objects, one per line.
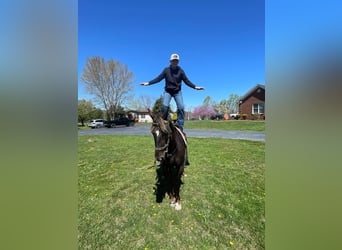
[
  {"x": 172, "y": 204},
  {"x": 178, "y": 206}
]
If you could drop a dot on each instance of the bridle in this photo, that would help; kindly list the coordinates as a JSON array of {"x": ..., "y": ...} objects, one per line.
[{"x": 164, "y": 148}]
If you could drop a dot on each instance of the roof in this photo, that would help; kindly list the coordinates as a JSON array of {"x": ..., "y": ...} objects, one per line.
[
  {"x": 251, "y": 91},
  {"x": 138, "y": 111}
]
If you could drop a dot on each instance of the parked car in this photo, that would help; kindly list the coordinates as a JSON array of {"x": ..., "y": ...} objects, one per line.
[
  {"x": 217, "y": 117},
  {"x": 109, "y": 124},
  {"x": 119, "y": 121},
  {"x": 234, "y": 116},
  {"x": 97, "y": 123}
]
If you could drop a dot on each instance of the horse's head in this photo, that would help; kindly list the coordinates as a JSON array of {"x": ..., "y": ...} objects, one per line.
[{"x": 161, "y": 132}]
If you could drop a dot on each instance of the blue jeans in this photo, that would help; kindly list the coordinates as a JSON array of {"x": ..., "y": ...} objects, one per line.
[{"x": 180, "y": 106}]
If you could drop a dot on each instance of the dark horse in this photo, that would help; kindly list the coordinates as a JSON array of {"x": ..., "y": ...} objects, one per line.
[{"x": 170, "y": 151}]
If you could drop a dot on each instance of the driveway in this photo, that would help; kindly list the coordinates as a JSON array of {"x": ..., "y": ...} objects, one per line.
[{"x": 197, "y": 133}]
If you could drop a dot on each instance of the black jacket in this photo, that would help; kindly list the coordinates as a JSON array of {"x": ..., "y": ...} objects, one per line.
[{"x": 173, "y": 79}]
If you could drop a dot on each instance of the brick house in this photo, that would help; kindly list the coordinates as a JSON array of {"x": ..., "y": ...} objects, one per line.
[{"x": 252, "y": 104}]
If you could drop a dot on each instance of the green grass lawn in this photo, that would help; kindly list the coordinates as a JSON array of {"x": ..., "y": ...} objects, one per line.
[
  {"x": 245, "y": 125},
  {"x": 222, "y": 197}
]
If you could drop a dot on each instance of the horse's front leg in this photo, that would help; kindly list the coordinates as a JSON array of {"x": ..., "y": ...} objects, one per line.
[
  {"x": 178, "y": 183},
  {"x": 171, "y": 191}
]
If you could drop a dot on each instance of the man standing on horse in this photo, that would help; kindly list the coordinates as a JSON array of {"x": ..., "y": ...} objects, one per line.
[{"x": 173, "y": 75}]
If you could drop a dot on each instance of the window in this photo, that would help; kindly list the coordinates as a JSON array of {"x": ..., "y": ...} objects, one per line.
[{"x": 258, "y": 108}]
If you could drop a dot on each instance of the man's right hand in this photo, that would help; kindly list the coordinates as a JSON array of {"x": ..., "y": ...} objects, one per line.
[{"x": 144, "y": 83}]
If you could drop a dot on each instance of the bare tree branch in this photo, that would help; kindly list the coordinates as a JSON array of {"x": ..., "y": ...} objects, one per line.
[{"x": 110, "y": 82}]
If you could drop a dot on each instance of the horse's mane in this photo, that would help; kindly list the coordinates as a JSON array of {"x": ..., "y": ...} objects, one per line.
[{"x": 161, "y": 123}]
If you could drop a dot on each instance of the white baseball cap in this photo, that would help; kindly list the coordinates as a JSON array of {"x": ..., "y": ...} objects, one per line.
[{"x": 174, "y": 57}]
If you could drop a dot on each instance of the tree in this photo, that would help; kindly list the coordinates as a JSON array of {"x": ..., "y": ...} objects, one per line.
[
  {"x": 97, "y": 113},
  {"x": 221, "y": 108},
  {"x": 157, "y": 107},
  {"x": 87, "y": 111},
  {"x": 119, "y": 111},
  {"x": 233, "y": 103},
  {"x": 207, "y": 101},
  {"x": 110, "y": 82},
  {"x": 227, "y": 106},
  {"x": 84, "y": 109},
  {"x": 146, "y": 101},
  {"x": 203, "y": 112},
  {"x": 143, "y": 102}
]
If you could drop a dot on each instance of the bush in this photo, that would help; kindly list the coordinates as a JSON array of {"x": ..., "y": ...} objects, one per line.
[{"x": 244, "y": 116}]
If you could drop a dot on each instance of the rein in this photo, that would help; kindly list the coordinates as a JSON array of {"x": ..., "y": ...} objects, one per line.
[{"x": 166, "y": 146}]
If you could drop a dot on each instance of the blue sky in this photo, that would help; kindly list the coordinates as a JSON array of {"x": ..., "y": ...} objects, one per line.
[{"x": 220, "y": 43}]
